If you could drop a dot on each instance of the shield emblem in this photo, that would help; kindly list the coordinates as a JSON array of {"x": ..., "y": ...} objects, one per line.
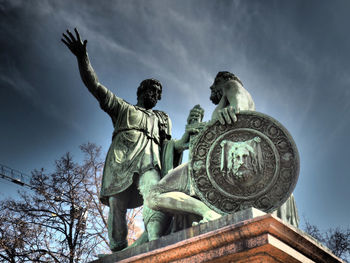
[{"x": 253, "y": 162}]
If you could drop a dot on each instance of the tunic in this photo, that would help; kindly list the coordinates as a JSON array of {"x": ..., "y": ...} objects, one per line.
[{"x": 140, "y": 136}]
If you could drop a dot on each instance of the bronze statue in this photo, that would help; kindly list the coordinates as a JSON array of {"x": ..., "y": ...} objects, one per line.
[
  {"x": 140, "y": 152},
  {"x": 142, "y": 164},
  {"x": 174, "y": 192},
  {"x": 239, "y": 163}
]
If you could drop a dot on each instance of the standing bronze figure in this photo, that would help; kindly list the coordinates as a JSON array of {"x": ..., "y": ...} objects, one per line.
[{"x": 140, "y": 152}]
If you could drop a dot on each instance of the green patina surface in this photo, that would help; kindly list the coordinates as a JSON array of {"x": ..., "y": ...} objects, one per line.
[{"x": 142, "y": 164}]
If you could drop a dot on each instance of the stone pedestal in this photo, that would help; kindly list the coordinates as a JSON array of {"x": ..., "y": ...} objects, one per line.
[{"x": 246, "y": 236}]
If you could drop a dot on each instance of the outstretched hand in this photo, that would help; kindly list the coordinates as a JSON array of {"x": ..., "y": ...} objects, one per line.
[{"x": 74, "y": 43}]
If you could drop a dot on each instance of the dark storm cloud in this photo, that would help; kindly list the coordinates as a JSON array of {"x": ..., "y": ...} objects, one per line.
[{"x": 292, "y": 56}]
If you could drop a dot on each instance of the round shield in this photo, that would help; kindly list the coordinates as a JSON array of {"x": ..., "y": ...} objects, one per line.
[{"x": 253, "y": 162}]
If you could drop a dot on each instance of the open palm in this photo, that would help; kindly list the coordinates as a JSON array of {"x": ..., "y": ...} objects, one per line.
[{"x": 74, "y": 43}]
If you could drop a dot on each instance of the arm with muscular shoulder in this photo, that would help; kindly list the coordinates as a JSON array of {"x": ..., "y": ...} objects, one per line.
[{"x": 235, "y": 98}]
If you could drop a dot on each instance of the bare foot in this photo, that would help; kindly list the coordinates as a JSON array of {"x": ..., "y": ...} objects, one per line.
[{"x": 210, "y": 215}]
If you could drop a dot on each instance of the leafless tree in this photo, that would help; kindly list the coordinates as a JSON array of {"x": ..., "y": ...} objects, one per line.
[
  {"x": 336, "y": 239},
  {"x": 14, "y": 235},
  {"x": 133, "y": 217},
  {"x": 62, "y": 220}
]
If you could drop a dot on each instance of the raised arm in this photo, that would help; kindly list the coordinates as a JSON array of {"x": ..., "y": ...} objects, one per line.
[{"x": 87, "y": 73}]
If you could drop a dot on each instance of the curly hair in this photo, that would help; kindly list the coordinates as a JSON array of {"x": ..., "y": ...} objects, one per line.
[
  {"x": 147, "y": 83},
  {"x": 227, "y": 76}
]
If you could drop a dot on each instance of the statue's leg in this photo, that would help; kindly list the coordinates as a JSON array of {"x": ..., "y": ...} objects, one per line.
[
  {"x": 155, "y": 221},
  {"x": 179, "y": 202},
  {"x": 172, "y": 194},
  {"x": 117, "y": 227}
]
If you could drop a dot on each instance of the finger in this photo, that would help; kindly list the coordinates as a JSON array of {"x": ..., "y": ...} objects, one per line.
[
  {"x": 77, "y": 34},
  {"x": 65, "y": 42},
  {"x": 67, "y": 38},
  {"x": 71, "y": 36},
  {"x": 221, "y": 118},
  {"x": 85, "y": 42},
  {"x": 231, "y": 112},
  {"x": 68, "y": 45},
  {"x": 225, "y": 113}
]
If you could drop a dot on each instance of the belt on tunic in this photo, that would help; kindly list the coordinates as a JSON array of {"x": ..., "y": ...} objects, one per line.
[{"x": 156, "y": 140}]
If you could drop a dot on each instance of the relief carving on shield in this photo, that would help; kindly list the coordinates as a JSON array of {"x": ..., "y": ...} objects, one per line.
[
  {"x": 241, "y": 162},
  {"x": 251, "y": 163}
]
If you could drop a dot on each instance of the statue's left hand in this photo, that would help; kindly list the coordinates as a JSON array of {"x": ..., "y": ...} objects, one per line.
[
  {"x": 227, "y": 115},
  {"x": 75, "y": 45}
]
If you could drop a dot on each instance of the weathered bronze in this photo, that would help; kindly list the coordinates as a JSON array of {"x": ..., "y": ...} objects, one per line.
[
  {"x": 140, "y": 153},
  {"x": 237, "y": 161},
  {"x": 251, "y": 163},
  {"x": 240, "y": 159}
]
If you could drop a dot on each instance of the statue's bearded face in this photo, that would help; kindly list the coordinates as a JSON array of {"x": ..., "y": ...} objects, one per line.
[
  {"x": 150, "y": 95},
  {"x": 242, "y": 162},
  {"x": 243, "y": 171},
  {"x": 216, "y": 90}
]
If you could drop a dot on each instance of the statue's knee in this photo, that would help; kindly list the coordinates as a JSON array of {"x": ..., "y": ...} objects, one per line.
[{"x": 151, "y": 200}]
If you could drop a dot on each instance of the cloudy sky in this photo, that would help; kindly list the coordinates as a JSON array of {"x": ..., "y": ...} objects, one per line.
[{"x": 292, "y": 56}]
